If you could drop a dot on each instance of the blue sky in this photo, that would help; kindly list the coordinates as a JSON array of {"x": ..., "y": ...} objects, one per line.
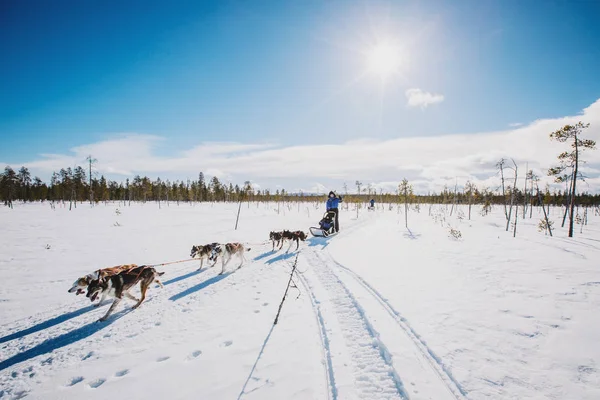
[{"x": 288, "y": 74}]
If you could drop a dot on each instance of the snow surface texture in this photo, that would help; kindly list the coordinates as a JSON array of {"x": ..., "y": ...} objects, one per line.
[{"x": 379, "y": 312}]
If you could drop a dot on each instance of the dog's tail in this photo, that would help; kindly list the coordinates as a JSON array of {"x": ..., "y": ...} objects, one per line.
[{"x": 158, "y": 281}]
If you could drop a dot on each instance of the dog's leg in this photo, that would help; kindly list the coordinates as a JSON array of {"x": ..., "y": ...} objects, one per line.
[
  {"x": 101, "y": 299},
  {"x": 201, "y": 263},
  {"x": 143, "y": 288},
  {"x": 130, "y": 296},
  {"x": 222, "y": 265},
  {"x": 111, "y": 309},
  {"x": 225, "y": 263},
  {"x": 159, "y": 283},
  {"x": 297, "y": 244}
]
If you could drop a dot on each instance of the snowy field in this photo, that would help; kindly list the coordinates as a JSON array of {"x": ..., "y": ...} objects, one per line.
[{"x": 380, "y": 312}]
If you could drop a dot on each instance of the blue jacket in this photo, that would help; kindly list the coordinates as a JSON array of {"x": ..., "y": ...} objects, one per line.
[{"x": 333, "y": 202}]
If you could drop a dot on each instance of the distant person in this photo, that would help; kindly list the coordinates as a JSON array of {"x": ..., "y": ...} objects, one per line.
[
  {"x": 333, "y": 202},
  {"x": 372, "y": 203}
]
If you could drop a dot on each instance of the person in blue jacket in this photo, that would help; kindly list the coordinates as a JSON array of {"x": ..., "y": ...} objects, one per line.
[
  {"x": 333, "y": 202},
  {"x": 372, "y": 203}
]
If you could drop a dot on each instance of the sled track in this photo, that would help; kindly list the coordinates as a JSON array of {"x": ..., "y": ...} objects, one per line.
[
  {"x": 332, "y": 389},
  {"x": 373, "y": 373},
  {"x": 434, "y": 361}
]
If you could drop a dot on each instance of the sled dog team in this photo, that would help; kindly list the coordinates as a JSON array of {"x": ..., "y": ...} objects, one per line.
[{"x": 117, "y": 281}]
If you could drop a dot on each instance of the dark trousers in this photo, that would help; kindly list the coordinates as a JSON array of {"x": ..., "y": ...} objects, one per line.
[{"x": 337, "y": 223}]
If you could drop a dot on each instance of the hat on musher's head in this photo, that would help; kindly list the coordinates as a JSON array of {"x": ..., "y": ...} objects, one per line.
[{"x": 331, "y": 193}]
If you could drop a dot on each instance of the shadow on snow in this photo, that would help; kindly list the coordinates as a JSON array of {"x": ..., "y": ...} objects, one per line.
[
  {"x": 264, "y": 255},
  {"x": 185, "y": 276},
  {"x": 46, "y": 324},
  {"x": 63, "y": 340},
  {"x": 281, "y": 257},
  {"x": 200, "y": 286},
  {"x": 410, "y": 235},
  {"x": 319, "y": 241}
]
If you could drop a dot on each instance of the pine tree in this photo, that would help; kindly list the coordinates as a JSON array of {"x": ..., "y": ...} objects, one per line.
[{"x": 570, "y": 159}]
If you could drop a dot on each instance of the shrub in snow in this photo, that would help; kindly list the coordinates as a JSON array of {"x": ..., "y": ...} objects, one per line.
[
  {"x": 486, "y": 209},
  {"x": 543, "y": 226},
  {"x": 454, "y": 233}
]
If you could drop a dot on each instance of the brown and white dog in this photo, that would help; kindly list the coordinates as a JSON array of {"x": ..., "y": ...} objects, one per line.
[
  {"x": 119, "y": 285},
  {"x": 292, "y": 237},
  {"x": 227, "y": 251},
  {"x": 81, "y": 284},
  {"x": 203, "y": 252},
  {"x": 275, "y": 238}
]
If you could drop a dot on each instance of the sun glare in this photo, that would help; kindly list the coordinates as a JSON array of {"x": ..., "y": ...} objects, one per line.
[{"x": 384, "y": 60}]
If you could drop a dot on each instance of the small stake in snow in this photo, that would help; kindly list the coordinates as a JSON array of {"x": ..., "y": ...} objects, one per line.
[
  {"x": 238, "y": 215},
  {"x": 286, "y": 289}
]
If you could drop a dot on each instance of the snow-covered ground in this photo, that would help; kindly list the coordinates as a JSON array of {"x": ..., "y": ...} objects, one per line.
[{"x": 379, "y": 312}]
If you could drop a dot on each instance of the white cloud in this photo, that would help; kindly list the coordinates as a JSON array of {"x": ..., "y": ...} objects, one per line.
[
  {"x": 419, "y": 98},
  {"x": 428, "y": 163},
  {"x": 515, "y": 124}
]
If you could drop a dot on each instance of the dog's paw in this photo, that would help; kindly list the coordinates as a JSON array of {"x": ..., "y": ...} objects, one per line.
[{"x": 97, "y": 305}]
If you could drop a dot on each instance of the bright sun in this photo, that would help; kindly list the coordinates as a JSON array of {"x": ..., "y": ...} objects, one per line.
[{"x": 384, "y": 60}]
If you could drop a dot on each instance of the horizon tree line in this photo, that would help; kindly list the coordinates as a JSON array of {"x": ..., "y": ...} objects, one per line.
[{"x": 73, "y": 186}]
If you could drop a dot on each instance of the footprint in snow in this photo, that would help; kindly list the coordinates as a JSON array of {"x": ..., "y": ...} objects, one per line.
[
  {"x": 227, "y": 343},
  {"x": 265, "y": 304},
  {"x": 88, "y": 355},
  {"x": 194, "y": 355},
  {"x": 121, "y": 373},
  {"x": 74, "y": 381},
  {"x": 256, "y": 311},
  {"x": 97, "y": 383},
  {"x": 161, "y": 359}
]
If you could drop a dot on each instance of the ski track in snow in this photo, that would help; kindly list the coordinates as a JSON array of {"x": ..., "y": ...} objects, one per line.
[
  {"x": 370, "y": 362},
  {"x": 428, "y": 354}
]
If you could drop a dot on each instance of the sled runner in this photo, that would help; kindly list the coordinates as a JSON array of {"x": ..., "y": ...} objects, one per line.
[{"x": 326, "y": 226}]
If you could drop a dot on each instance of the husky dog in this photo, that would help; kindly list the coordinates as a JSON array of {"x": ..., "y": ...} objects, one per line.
[
  {"x": 82, "y": 283},
  {"x": 227, "y": 251},
  {"x": 119, "y": 285},
  {"x": 295, "y": 236},
  {"x": 203, "y": 252},
  {"x": 276, "y": 238}
]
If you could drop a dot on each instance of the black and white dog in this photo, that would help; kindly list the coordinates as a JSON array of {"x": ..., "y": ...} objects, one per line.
[
  {"x": 203, "y": 252},
  {"x": 226, "y": 252},
  {"x": 81, "y": 284},
  {"x": 276, "y": 238},
  {"x": 292, "y": 237},
  {"x": 119, "y": 285}
]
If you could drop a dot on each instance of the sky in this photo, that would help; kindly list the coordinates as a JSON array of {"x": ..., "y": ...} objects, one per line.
[{"x": 305, "y": 95}]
